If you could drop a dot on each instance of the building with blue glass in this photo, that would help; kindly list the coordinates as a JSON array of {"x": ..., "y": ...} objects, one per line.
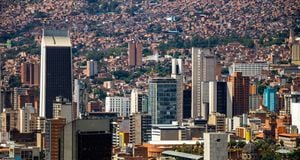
[{"x": 270, "y": 99}]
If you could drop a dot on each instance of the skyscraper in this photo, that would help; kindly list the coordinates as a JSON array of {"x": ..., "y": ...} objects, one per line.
[
  {"x": 270, "y": 99},
  {"x": 135, "y": 54},
  {"x": 56, "y": 69},
  {"x": 239, "y": 88},
  {"x": 187, "y": 103},
  {"x": 163, "y": 100},
  {"x": 203, "y": 69},
  {"x": 296, "y": 54},
  {"x": 177, "y": 71},
  {"x": 218, "y": 97}
]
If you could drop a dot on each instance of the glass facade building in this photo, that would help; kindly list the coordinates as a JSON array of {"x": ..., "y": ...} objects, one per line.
[
  {"x": 56, "y": 70},
  {"x": 162, "y": 100}
]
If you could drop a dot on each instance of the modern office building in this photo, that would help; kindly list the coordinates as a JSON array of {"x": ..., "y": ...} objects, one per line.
[
  {"x": 218, "y": 97},
  {"x": 295, "y": 111},
  {"x": 215, "y": 146},
  {"x": 177, "y": 70},
  {"x": 138, "y": 101},
  {"x": 140, "y": 128},
  {"x": 239, "y": 91},
  {"x": 86, "y": 139},
  {"x": 91, "y": 68},
  {"x": 187, "y": 103},
  {"x": 203, "y": 69},
  {"x": 163, "y": 100},
  {"x": 80, "y": 97},
  {"x": 270, "y": 99},
  {"x": 296, "y": 54},
  {"x": 248, "y": 69},
  {"x": 56, "y": 69},
  {"x": 135, "y": 50},
  {"x": 52, "y": 137},
  {"x": 120, "y": 105},
  {"x": 30, "y": 74}
]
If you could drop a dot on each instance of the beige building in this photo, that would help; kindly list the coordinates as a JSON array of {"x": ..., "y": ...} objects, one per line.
[
  {"x": 203, "y": 69},
  {"x": 296, "y": 54}
]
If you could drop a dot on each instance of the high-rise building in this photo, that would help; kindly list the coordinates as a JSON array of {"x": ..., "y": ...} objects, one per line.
[
  {"x": 30, "y": 74},
  {"x": 22, "y": 96},
  {"x": 86, "y": 139},
  {"x": 135, "y": 50},
  {"x": 177, "y": 71},
  {"x": 62, "y": 108},
  {"x": 270, "y": 99},
  {"x": 289, "y": 98},
  {"x": 187, "y": 103},
  {"x": 79, "y": 97},
  {"x": 215, "y": 146},
  {"x": 296, "y": 54},
  {"x": 56, "y": 69},
  {"x": 120, "y": 105},
  {"x": 203, "y": 69},
  {"x": 25, "y": 118},
  {"x": 140, "y": 128},
  {"x": 91, "y": 68},
  {"x": 163, "y": 100},
  {"x": 239, "y": 91},
  {"x": 52, "y": 137},
  {"x": 138, "y": 100},
  {"x": 218, "y": 97}
]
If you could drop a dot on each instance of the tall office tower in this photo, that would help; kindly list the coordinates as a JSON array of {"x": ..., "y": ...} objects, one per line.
[
  {"x": 91, "y": 68},
  {"x": 296, "y": 54},
  {"x": 218, "y": 97},
  {"x": 187, "y": 103},
  {"x": 177, "y": 71},
  {"x": 240, "y": 93},
  {"x": 253, "y": 97},
  {"x": 138, "y": 101},
  {"x": 270, "y": 99},
  {"x": 120, "y": 105},
  {"x": 140, "y": 128},
  {"x": 135, "y": 53},
  {"x": 30, "y": 74},
  {"x": 203, "y": 69},
  {"x": 52, "y": 137},
  {"x": 79, "y": 97},
  {"x": 62, "y": 108},
  {"x": 163, "y": 100},
  {"x": 25, "y": 118},
  {"x": 56, "y": 69},
  {"x": 86, "y": 139},
  {"x": 215, "y": 146}
]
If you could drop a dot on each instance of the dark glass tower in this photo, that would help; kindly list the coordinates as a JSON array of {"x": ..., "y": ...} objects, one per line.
[{"x": 56, "y": 69}]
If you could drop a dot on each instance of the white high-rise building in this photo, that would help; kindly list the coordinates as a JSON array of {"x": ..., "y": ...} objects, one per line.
[
  {"x": 120, "y": 105},
  {"x": 91, "y": 68},
  {"x": 25, "y": 117},
  {"x": 215, "y": 146},
  {"x": 177, "y": 70},
  {"x": 203, "y": 69},
  {"x": 295, "y": 112},
  {"x": 56, "y": 69}
]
